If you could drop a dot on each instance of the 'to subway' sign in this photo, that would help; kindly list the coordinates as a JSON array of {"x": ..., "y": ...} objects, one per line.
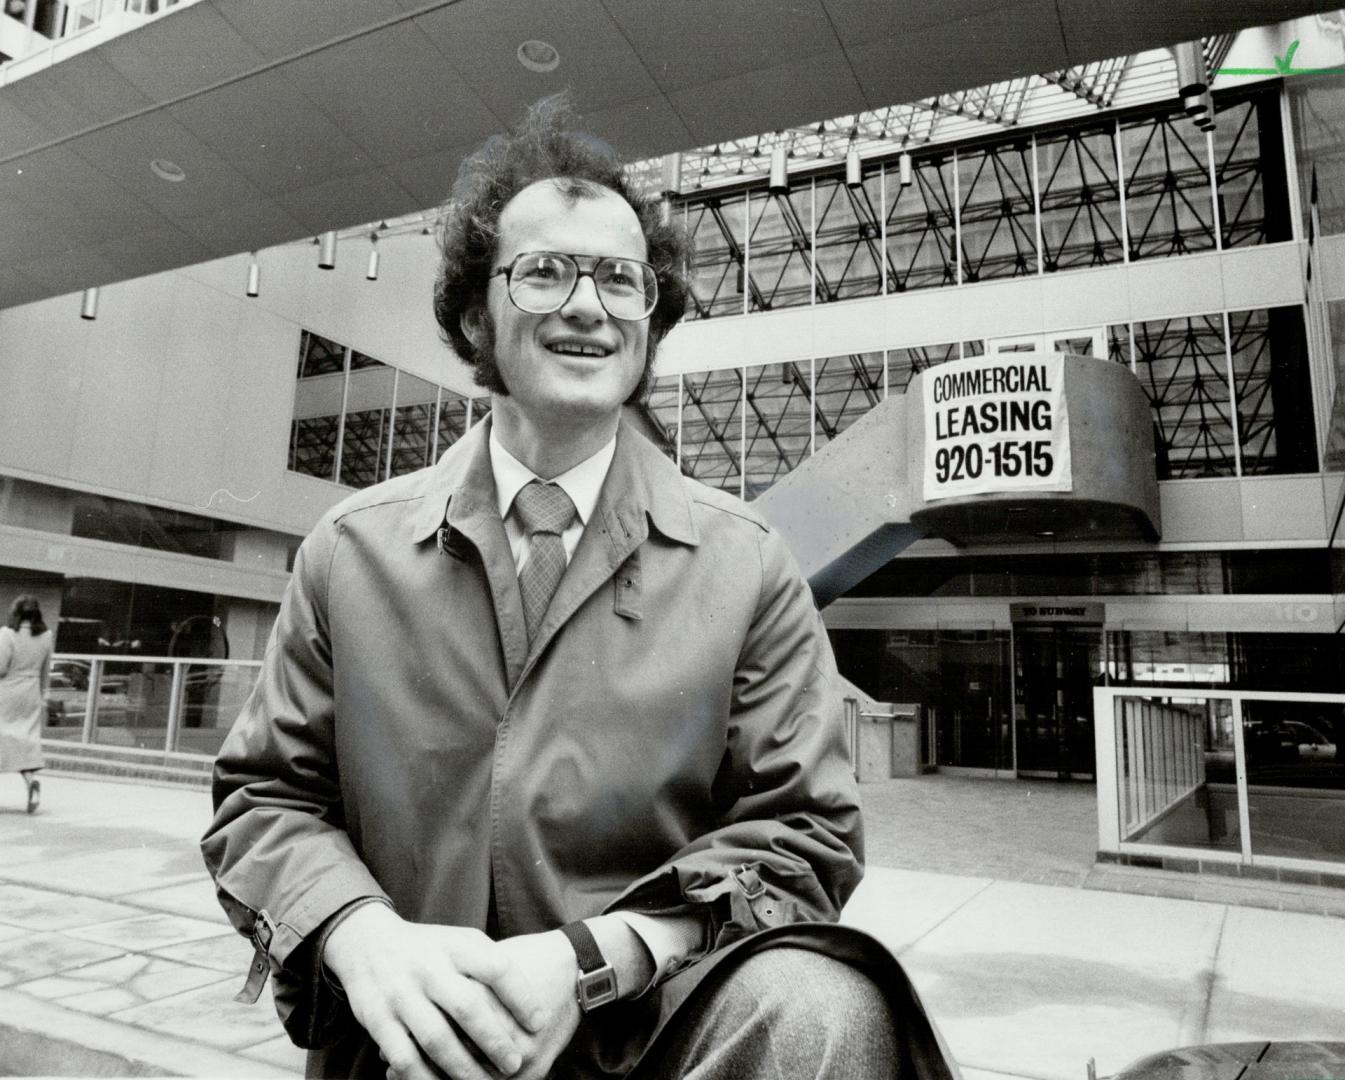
[{"x": 996, "y": 424}]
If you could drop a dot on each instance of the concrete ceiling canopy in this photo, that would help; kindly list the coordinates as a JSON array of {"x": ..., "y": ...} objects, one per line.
[{"x": 292, "y": 119}]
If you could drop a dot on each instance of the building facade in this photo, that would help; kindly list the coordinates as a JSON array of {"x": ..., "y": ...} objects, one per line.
[{"x": 160, "y": 463}]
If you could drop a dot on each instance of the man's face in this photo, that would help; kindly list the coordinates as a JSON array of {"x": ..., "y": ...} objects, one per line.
[{"x": 578, "y": 362}]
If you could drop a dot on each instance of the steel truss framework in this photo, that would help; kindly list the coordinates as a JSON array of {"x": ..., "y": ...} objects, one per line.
[
  {"x": 1208, "y": 378},
  {"x": 1103, "y": 192},
  {"x": 1112, "y": 189}
]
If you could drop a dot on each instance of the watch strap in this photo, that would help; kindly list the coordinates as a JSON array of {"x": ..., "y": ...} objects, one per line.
[{"x": 597, "y": 981}]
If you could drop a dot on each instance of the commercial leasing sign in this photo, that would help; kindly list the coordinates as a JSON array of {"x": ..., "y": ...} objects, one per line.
[{"x": 996, "y": 425}]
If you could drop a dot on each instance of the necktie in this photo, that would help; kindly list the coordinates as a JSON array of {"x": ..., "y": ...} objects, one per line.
[{"x": 545, "y": 512}]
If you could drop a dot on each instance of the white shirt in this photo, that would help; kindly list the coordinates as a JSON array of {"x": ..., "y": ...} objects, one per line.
[{"x": 582, "y": 484}]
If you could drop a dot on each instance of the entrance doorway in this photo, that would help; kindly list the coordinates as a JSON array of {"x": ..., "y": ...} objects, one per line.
[{"x": 1055, "y": 670}]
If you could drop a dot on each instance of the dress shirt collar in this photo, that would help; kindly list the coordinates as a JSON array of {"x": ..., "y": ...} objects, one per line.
[{"x": 582, "y": 484}]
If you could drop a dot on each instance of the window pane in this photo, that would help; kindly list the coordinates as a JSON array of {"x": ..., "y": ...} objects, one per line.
[
  {"x": 1183, "y": 369},
  {"x": 777, "y": 423},
  {"x": 1274, "y": 391},
  {"x": 1080, "y": 200},
  {"x": 711, "y": 431},
  {"x": 664, "y": 407},
  {"x": 1174, "y": 772},
  {"x": 921, "y": 227},
  {"x": 847, "y": 387},
  {"x": 779, "y": 252},
  {"x": 319, "y": 356},
  {"x": 1295, "y": 778},
  {"x": 366, "y": 442},
  {"x": 317, "y": 407},
  {"x": 413, "y": 426},
  {"x": 998, "y": 226},
  {"x": 1168, "y": 207}
]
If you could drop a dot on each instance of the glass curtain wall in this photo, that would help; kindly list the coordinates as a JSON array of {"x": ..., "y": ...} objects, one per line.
[
  {"x": 1122, "y": 187},
  {"x": 1229, "y": 391},
  {"x": 359, "y": 421},
  {"x": 1229, "y": 394}
]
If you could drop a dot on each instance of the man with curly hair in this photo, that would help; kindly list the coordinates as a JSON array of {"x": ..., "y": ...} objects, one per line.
[{"x": 545, "y": 773}]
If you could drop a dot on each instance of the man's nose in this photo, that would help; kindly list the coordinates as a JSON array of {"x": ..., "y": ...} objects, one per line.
[{"x": 584, "y": 303}]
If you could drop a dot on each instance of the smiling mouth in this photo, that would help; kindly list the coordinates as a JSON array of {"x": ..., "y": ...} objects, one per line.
[{"x": 567, "y": 348}]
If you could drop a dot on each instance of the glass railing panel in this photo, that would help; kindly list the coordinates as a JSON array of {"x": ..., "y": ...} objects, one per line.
[
  {"x": 67, "y": 699},
  {"x": 212, "y": 696},
  {"x": 1176, "y": 777},
  {"x": 1295, "y": 778},
  {"x": 132, "y": 703}
]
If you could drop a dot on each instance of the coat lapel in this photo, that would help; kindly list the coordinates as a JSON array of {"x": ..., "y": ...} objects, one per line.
[
  {"x": 473, "y": 515},
  {"x": 641, "y": 484}
]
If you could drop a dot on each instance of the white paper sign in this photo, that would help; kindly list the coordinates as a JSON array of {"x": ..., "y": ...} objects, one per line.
[{"x": 996, "y": 424}]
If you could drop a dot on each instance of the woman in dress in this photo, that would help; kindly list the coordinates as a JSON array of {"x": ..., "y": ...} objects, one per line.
[{"x": 25, "y": 665}]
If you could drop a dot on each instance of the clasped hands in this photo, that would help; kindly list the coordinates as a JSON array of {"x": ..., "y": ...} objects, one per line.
[{"x": 448, "y": 1000}]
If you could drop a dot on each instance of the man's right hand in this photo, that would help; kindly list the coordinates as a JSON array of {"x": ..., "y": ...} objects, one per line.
[{"x": 404, "y": 982}]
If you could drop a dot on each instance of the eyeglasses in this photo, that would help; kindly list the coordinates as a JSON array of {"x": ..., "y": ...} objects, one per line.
[{"x": 541, "y": 282}]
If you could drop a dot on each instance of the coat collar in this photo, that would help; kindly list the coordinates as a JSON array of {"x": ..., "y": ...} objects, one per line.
[{"x": 641, "y": 482}]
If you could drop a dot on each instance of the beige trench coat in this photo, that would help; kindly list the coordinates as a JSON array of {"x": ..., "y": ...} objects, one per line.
[
  {"x": 672, "y": 740},
  {"x": 25, "y": 667}
]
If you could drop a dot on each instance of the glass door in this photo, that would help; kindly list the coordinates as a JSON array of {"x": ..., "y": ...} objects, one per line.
[
  {"x": 973, "y": 718},
  {"x": 1054, "y": 670}
]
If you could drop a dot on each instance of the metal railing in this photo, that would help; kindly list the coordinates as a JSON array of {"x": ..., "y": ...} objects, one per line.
[
  {"x": 1255, "y": 778},
  {"x": 169, "y": 710}
]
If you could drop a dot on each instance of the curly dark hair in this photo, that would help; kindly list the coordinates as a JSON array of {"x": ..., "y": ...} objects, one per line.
[
  {"x": 26, "y": 609},
  {"x": 541, "y": 147}
]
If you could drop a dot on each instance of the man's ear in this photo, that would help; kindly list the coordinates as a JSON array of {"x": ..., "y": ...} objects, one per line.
[{"x": 472, "y": 322}]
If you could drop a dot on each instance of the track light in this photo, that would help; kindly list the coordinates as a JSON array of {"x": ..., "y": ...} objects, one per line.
[
  {"x": 1205, "y": 118},
  {"x": 672, "y": 174},
  {"x": 779, "y": 184},
  {"x": 89, "y": 308},
  {"x": 327, "y": 251},
  {"x": 907, "y": 167},
  {"x": 854, "y": 169},
  {"x": 254, "y": 277},
  {"x": 371, "y": 273},
  {"x": 1192, "y": 78}
]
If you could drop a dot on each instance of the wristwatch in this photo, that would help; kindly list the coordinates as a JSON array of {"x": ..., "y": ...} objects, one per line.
[{"x": 597, "y": 980}]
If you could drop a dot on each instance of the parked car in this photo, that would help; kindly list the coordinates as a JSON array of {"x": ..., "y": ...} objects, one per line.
[{"x": 1312, "y": 744}]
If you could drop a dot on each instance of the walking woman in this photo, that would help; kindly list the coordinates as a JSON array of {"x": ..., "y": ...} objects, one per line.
[{"x": 25, "y": 665}]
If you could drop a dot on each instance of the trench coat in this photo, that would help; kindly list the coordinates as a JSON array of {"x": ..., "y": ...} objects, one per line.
[
  {"x": 672, "y": 741},
  {"x": 25, "y": 665}
]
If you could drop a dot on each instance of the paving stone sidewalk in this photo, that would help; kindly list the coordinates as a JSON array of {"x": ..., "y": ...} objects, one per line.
[{"x": 115, "y": 959}]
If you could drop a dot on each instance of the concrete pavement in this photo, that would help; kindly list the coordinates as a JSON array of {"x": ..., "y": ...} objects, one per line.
[{"x": 115, "y": 959}]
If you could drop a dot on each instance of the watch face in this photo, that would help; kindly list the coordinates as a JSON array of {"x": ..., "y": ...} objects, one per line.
[{"x": 597, "y": 988}]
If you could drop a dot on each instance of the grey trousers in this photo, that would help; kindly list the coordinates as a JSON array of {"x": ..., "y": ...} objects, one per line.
[{"x": 783, "y": 1014}]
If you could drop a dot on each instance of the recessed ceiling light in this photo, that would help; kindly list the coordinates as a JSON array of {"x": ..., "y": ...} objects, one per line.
[
  {"x": 538, "y": 55},
  {"x": 167, "y": 170}
]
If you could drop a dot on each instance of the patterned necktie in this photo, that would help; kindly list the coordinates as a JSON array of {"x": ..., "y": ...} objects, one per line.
[{"x": 545, "y": 512}]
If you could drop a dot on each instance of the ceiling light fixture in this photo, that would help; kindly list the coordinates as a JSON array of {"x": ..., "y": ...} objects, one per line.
[
  {"x": 167, "y": 170},
  {"x": 89, "y": 306},
  {"x": 254, "y": 276},
  {"x": 371, "y": 272},
  {"x": 906, "y": 169},
  {"x": 779, "y": 182},
  {"x": 327, "y": 251},
  {"x": 539, "y": 56},
  {"x": 854, "y": 169}
]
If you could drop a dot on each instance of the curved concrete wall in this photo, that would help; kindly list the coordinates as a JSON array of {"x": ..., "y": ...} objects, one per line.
[{"x": 1114, "y": 493}]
